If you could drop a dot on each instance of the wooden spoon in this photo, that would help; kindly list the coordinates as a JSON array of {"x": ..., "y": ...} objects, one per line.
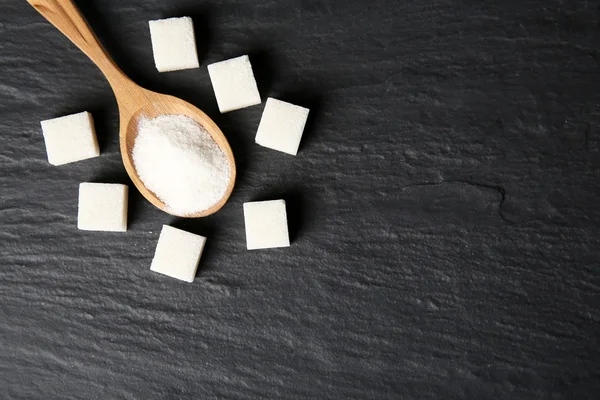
[{"x": 133, "y": 100}]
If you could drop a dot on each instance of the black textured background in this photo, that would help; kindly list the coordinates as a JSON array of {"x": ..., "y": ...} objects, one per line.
[{"x": 444, "y": 208}]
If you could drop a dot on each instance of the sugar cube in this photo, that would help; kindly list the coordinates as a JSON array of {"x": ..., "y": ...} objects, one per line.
[
  {"x": 281, "y": 126},
  {"x": 174, "y": 44},
  {"x": 177, "y": 253},
  {"x": 70, "y": 138},
  {"x": 234, "y": 84},
  {"x": 266, "y": 224},
  {"x": 102, "y": 207}
]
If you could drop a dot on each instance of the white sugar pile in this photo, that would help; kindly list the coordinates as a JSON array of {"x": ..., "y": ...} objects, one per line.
[{"x": 178, "y": 160}]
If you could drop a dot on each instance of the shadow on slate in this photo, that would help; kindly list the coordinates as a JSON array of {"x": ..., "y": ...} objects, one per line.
[
  {"x": 264, "y": 71},
  {"x": 237, "y": 134},
  {"x": 102, "y": 126},
  {"x": 294, "y": 204}
]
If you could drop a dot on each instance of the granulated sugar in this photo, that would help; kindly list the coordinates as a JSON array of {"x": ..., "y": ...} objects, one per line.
[{"x": 178, "y": 160}]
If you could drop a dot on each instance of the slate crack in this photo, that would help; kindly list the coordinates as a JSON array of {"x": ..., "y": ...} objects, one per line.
[{"x": 497, "y": 188}]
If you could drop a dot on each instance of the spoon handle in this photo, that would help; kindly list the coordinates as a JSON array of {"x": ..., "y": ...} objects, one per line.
[{"x": 65, "y": 16}]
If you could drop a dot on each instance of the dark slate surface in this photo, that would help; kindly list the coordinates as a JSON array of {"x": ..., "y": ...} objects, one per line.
[{"x": 444, "y": 209}]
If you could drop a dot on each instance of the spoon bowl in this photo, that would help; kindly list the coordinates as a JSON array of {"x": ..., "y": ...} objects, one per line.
[
  {"x": 134, "y": 101},
  {"x": 160, "y": 104}
]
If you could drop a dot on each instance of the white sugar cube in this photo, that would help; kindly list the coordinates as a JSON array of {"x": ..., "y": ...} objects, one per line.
[
  {"x": 102, "y": 207},
  {"x": 281, "y": 126},
  {"x": 174, "y": 44},
  {"x": 177, "y": 253},
  {"x": 266, "y": 224},
  {"x": 70, "y": 138},
  {"x": 234, "y": 84}
]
